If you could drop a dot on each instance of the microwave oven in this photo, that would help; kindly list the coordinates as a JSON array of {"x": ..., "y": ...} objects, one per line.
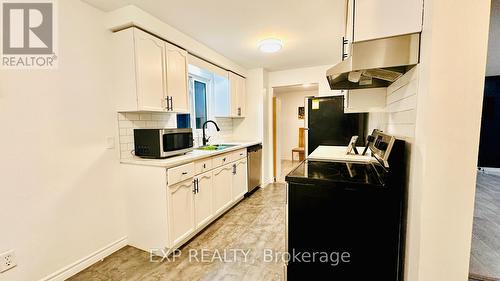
[{"x": 162, "y": 143}]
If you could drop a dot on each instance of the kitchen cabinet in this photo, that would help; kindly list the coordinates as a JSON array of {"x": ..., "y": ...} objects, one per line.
[
  {"x": 368, "y": 19},
  {"x": 237, "y": 86},
  {"x": 222, "y": 187},
  {"x": 177, "y": 79},
  {"x": 239, "y": 182},
  {"x": 230, "y": 96},
  {"x": 365, "y": 100},
  {"x": 180, "y": 204},
  {"x": 203, "y": 199},
  {"x": 149, "y": 73}
]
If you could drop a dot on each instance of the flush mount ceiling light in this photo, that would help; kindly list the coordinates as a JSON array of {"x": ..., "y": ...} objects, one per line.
[{"x": 270, "y": 45}]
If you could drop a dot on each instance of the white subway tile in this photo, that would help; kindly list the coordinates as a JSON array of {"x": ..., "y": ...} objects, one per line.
[
  {"x": 139, "y": 124},
  {"x": 133, "y": 116},
  {"x": 145, "y": 116},
  {"x": 157, "y": 116},
  {"x": 126, "y": 124},
  {"x": 151, "y": 124}
]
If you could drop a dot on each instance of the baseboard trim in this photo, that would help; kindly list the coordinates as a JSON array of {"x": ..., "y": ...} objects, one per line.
[{"x": 74, "y": 268}]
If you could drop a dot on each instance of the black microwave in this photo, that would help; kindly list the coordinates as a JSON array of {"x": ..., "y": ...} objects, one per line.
[{"x": 162, "y": 143}]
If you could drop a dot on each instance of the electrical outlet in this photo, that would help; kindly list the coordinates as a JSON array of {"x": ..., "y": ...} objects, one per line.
[{"x": 7, "y": 260}]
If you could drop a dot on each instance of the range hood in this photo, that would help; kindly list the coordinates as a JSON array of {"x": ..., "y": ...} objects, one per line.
[{"x": 375, "y": 63}]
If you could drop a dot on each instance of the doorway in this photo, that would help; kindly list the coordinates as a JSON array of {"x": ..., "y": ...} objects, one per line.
[
  {"x": 289, "y": 125},
  {"x": 485, "y": 247}
]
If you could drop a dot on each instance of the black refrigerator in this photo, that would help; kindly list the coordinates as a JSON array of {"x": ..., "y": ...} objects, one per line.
[{"x": 327, "y": 124}]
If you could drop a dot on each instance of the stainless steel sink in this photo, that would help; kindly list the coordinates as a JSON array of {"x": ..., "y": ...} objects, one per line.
[{"x": 215, "y": 147}]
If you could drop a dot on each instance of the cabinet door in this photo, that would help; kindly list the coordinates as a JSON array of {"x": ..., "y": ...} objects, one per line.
[
  {"x": 241, "y": 109},
  {"x": 240, "y": 183},
  {"x": 181, "y": 211},
  {"x": 150, "y": 71},
  {"x": 233, "y": 94},
  {"x": 385, "y": 18},
  {"x": 177, "y": 78},
  {"x": 222, "y": 185},
  {"x": 349, "y": 29},
  {"x": 203, "y": 199}
]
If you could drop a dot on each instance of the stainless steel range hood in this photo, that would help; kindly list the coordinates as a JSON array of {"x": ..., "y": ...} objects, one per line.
[{"x": 375, "y": 63}]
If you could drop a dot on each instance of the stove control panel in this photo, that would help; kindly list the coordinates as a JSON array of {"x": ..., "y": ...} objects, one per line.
[{"x": 381, "y": 146}]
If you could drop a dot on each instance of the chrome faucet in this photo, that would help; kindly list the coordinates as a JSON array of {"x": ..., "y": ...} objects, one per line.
[{"x": 205, "y": 139}]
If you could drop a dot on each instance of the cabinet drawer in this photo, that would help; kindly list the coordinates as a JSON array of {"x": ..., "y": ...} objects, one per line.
[
  {"x": 180, "y": 173},
  {"x": 221, "y": 160},
  {"x": 239, "y": 154},
  {"x": 202, "y": 165}
]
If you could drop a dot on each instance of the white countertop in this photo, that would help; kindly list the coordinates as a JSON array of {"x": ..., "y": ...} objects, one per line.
[
  {"x": 188, "y": 157},
  {"x": 330, "y": 153}
]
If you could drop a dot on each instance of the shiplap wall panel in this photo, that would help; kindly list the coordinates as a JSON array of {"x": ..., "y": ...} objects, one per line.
[{"x": 399, "y": 115}]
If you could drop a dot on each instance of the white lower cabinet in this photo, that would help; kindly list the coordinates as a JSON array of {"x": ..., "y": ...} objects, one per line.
[
  {"x": 203, "y": 199},
  {"x": 180, "y": 211},
  {"x": 222, "y": 183},
  {"x": 239, "y": 182}
]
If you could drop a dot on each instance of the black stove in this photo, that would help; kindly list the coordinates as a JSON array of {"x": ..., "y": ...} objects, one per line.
[
  {"x": 341, "y": 172},
  {"x": 355, "y": 209}
]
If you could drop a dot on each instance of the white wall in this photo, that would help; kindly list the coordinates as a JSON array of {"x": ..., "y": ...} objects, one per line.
[
  {"x": 296, "y": 76},
  {"x": 289, "y": 123},
  {"x": 445, "y": 151},
  {"x": 252, "y": 126},
  {"x": 493, "y": 65},
  {"x": 306, "y": 75},
  {"x": 59, "y": 201}
]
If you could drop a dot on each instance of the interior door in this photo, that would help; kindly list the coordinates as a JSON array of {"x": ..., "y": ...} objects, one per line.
[
  {"x": 150, "y": 71},
  {"x": 203, "y": 199}
]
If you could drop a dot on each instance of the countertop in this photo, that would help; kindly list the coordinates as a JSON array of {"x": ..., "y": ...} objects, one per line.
[
  {"x": 329, "y": 153},
  {"x": 188, "y": 157}
]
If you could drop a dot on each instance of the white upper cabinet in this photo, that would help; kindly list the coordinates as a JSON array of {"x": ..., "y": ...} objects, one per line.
[
  {"x": 230, "y": 96},
  {"x": 368, "y": 19},
  {"x": 177, "y": 79},
  {"x": 149, "y": 73}
]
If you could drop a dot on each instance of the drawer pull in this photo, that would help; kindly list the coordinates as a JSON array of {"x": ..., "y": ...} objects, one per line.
[
  {"x": 184, "y": 173},
  {"x": 204, "y": 166},
  {"x": 224, "y": 159}
]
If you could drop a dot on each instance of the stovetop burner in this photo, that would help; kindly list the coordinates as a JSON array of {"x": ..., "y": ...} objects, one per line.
[{"x": 348, "y": 172}]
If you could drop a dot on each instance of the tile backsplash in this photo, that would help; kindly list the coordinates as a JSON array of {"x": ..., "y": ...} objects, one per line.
[{"x": 128, "y": 121}]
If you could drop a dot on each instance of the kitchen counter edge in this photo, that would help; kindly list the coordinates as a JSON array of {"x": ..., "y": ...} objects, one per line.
[{"x": 187, "y": 158}]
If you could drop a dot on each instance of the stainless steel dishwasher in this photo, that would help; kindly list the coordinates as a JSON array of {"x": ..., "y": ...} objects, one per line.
[{"x": 254, "y": 167}]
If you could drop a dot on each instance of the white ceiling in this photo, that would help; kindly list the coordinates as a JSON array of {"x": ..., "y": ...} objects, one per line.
[{"x": 311, "y": 29}]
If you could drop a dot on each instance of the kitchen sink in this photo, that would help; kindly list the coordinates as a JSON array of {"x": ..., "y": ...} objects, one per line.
[{"x": 216, "y": 147}]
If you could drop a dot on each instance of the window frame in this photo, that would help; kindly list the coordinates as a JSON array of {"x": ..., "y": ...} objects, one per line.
[{"x": 208, "y": 98}]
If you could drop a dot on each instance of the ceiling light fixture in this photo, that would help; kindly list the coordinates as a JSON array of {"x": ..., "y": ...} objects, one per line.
[{"x": 270, "y": 45}]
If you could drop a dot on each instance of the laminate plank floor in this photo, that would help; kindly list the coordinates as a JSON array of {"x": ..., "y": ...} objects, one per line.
[
  {"x": 286, "y": 167},
  {"x": 485, "y": 248},
  {"x": 256, "y": 224}
]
